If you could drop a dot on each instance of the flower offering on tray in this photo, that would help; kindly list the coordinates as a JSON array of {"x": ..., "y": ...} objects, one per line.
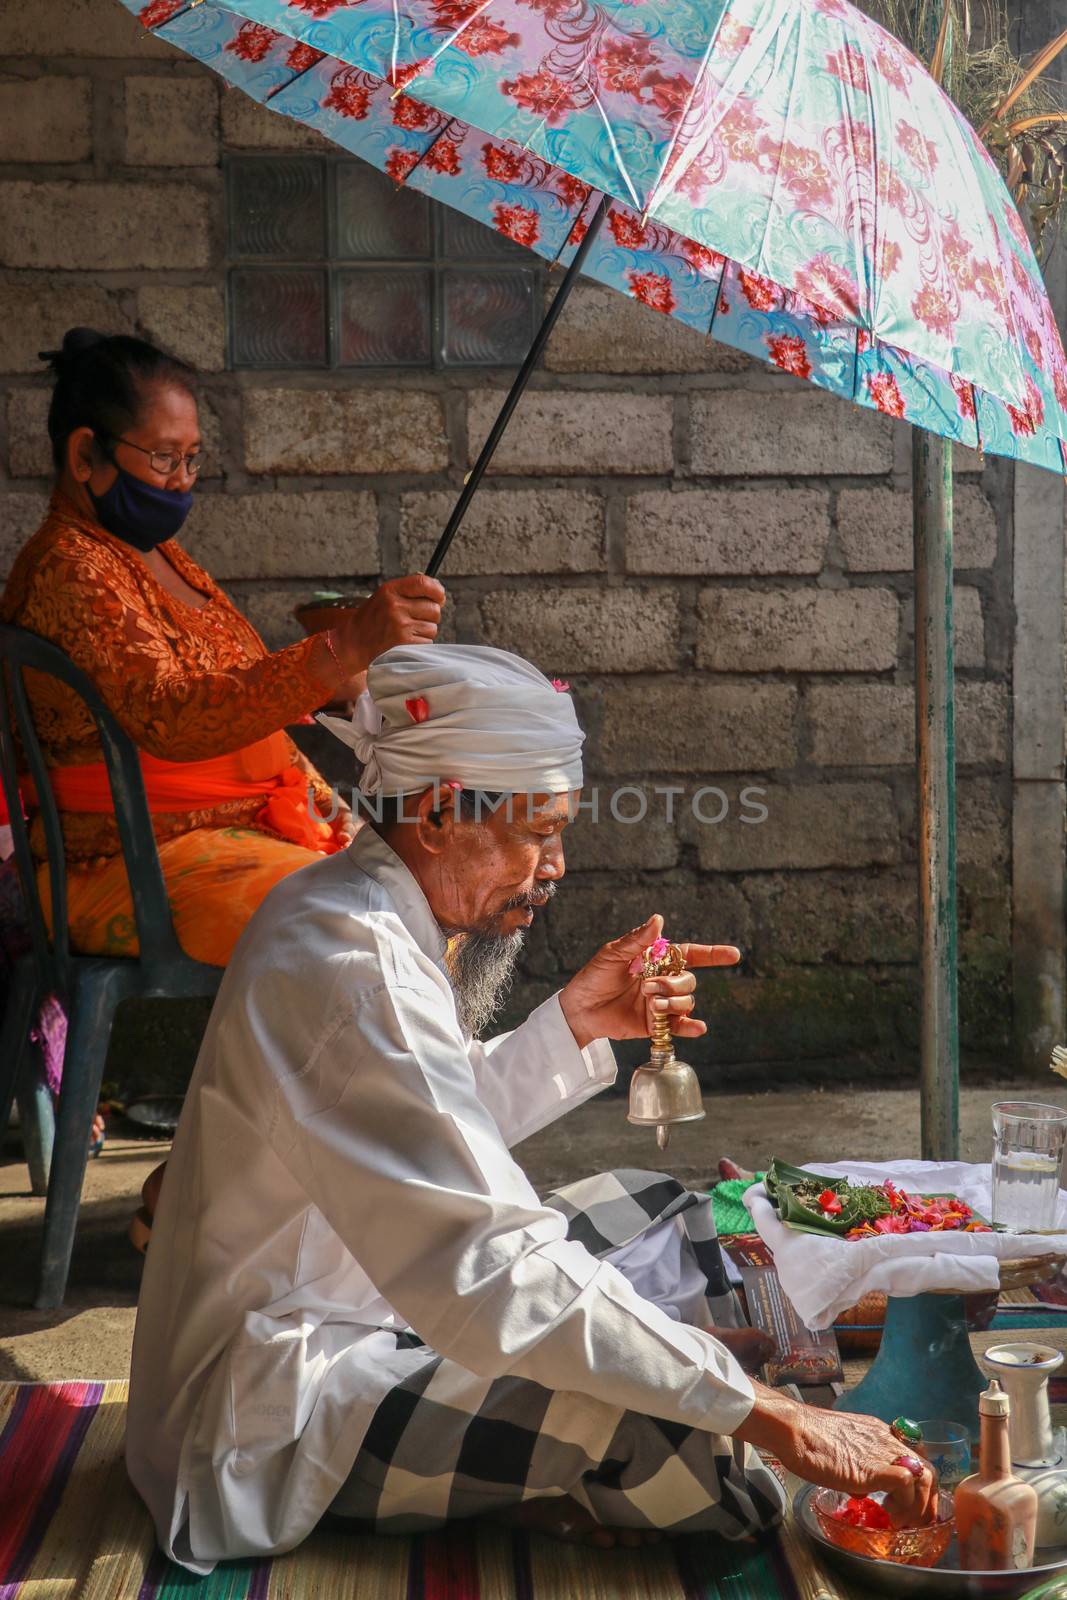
[{"x": 814, "y": 1203}]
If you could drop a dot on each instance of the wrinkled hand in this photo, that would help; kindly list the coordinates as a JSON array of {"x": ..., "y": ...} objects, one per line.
[
  {"x": 841, "y": 1450},
  {"x": 605, "y": 1000},
  {"x": 402, "y": 611}
]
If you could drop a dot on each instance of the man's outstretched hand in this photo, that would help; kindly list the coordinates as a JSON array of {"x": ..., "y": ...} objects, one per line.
[
  {"x": 842, "y": 1450},
  {"x": 606, "y": 1000}
]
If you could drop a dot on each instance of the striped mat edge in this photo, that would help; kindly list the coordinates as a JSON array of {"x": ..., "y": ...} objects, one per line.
[{"x": 73, "y": 1529}]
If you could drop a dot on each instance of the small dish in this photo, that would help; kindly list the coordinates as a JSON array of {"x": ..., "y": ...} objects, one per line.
[
  {"x": 157, "y": 1115},
  {"x": 324, "y": 610},
  {"x": 909, "y": 1547}
]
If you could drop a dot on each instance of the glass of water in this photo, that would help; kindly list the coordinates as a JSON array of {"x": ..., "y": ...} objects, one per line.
[
  {"x": 947, "y": 1447},
  {"x": 1028, "y": 1140}
]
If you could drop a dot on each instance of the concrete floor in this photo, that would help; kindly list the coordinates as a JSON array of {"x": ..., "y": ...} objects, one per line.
[{"x": 91, "y": 1336}]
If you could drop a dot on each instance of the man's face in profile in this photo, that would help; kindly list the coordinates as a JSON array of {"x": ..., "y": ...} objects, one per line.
[
  {"x": 499, "y": 866},
  {"x": 504, "y": 862}
]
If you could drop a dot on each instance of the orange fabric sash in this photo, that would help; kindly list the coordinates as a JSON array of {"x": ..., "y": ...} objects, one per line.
[{"x": 259, "y": 770}]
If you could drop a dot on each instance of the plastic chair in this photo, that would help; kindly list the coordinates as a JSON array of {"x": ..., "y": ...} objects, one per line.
[{"x": 90, "y": 988}]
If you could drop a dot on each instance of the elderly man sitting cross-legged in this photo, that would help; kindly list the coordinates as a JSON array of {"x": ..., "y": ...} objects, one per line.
[{"x": 354, "y": 1302}]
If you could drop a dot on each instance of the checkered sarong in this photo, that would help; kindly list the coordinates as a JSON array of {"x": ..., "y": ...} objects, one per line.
[
  {"x": 611, "y": 1209},
  {"x": 445, "y": 1444}
]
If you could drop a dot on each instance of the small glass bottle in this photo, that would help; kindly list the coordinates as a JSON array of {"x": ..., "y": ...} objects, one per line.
[{"x": 996, "y": 1512}]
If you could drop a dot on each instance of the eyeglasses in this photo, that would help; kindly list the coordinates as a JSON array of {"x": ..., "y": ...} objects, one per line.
[{"x": 165, "y": 462}]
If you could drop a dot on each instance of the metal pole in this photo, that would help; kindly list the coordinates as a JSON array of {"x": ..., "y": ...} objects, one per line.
[
  {"x": 474, "y": 477},
  {"x": 936, "y": 753},
  {"x": 935, "y": 749}
]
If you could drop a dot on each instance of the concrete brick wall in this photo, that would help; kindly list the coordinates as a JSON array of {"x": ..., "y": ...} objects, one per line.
[{"x": 716, "y": 556}]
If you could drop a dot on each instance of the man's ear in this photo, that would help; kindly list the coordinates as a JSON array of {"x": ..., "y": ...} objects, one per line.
[{"x": 434, "y": 816}]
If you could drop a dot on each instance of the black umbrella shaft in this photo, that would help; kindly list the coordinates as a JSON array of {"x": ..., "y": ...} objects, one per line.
[{"x": 496, "y": 432}]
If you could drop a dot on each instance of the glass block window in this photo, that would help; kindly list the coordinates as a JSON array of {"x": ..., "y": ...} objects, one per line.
[{"x": 330, "y": 264}]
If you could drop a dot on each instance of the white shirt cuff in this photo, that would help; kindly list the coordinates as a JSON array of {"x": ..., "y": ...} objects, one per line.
[{"x": 576, "y": 1072}]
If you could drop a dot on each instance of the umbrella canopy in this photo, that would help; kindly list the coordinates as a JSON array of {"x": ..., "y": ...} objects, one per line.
[{"x": 782, "y": 175}]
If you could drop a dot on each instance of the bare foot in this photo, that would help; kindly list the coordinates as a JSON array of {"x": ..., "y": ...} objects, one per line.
[
  {"x": 560, "y": 1517},
  {"x": 729, "y": 1170},
  {"x": 151, "y": 1187},
  {"x": 749, "y": 1347},
  {"x": 140, "y": 1228}
]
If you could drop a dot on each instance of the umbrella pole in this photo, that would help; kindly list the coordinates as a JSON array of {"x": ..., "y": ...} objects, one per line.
[
  {"x": 474, "y": 477},
  {"x": 936, "y": 751}
]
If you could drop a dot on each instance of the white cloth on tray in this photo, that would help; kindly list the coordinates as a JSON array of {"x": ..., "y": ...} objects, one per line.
[{"x": 825, "y": 1276}]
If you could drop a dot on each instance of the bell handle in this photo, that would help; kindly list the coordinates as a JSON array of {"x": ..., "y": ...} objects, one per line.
[{"x": 661, "y": 1038}]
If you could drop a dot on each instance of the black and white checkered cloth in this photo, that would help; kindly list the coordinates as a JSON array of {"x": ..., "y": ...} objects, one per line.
[
  {"x": 612, "y": 1209},
  {"x": 445, "y": 1444}
]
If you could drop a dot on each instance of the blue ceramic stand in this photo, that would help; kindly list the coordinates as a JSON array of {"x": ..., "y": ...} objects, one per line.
[{"x": 924, "y": 1367}]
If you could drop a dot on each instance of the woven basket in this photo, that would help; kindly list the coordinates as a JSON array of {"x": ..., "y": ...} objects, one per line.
[{"x": 859, "y": 1330}]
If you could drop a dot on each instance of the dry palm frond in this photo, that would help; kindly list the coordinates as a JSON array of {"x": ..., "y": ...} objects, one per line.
[
  {"x": 937, "y": 60},
  {"x": 1047, "y": 119},
  {"x": 1020, "y": 114},
  {"x": 1059, "y": 1060},
  {"x": 1040, "y": 64}
]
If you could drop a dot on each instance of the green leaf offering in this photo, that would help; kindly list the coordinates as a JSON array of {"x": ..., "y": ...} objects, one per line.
[{"x": 815, "y": 1202}]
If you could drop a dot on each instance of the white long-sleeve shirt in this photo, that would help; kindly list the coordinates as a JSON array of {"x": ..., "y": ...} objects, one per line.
[{"x": 342, "y": 1171}]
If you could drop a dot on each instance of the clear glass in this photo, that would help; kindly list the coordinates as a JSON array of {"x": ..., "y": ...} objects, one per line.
[
  {"x": 1028, "y": 1140},
  {"x": 165, "y": 462},
  {"x": 947, "y": 1447}
]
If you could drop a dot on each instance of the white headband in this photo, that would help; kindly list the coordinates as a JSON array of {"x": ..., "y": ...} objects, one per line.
[{"x": 462, "y": 713}]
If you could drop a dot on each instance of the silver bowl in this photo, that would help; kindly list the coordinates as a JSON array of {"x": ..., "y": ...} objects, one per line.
[{"x": 946, "y": 1581}]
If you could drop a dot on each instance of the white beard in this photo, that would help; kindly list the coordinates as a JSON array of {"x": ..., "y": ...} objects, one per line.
[{"x": 481, "y": 967}]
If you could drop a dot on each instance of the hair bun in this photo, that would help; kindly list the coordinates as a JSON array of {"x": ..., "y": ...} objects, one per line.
[{"x": 75, "y": 343}]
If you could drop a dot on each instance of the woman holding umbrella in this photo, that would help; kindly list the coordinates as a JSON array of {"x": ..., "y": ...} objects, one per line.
[{"x": 183, "y": 671}]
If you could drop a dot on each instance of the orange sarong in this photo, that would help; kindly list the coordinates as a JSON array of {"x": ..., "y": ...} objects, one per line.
[
  {"x": 260, "y": 769},
  {"x": 215, "y": 877}
]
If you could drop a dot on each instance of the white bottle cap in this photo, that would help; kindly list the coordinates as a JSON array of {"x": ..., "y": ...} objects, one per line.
[{"x": 994, "y": 1402}]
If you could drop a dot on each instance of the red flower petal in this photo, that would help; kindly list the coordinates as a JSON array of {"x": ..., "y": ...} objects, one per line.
[{"x": 417, "y": 709}]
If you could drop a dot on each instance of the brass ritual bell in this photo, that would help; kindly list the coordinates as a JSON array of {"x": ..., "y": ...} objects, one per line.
[{"x": 665, "y": 1090}]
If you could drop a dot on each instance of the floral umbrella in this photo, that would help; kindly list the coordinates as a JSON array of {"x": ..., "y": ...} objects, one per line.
[{"x": 781, "y": 175}]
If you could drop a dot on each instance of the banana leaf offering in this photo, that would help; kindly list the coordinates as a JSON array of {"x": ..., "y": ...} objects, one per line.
[{"x": 814, "y": 1202}]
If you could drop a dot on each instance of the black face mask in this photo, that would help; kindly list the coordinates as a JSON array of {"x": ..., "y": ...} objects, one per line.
[{"x": 140, "y": 514}]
